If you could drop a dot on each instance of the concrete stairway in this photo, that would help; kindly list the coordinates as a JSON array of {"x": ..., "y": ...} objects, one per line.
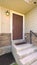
[{"x": 25, "y": 54}]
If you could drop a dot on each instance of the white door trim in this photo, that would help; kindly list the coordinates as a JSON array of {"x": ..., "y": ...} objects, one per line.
[{"x": 11, "y": 26}]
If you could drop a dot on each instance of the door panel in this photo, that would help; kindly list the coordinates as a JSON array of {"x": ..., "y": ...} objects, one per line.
[{"x": 17, "y": 27}]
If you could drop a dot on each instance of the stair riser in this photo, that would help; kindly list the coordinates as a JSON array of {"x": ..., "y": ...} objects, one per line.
[{"x": 21, "y": 48}]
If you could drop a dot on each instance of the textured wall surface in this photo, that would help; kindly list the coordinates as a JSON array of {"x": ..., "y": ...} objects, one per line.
[
  {"x": 34, "y": 39},
  {"x": 5, "y": 39}
]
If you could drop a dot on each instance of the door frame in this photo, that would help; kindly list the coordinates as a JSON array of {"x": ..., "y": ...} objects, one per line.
[{"x": 11, "y": 26}]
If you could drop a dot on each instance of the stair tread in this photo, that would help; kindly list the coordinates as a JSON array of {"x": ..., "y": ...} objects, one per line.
[
  {"x": 23, "y": 46},
  {"x": 26, "y": 52},
  {"x": 29, "y": 59},
  {"x": 35, "y": 63}
]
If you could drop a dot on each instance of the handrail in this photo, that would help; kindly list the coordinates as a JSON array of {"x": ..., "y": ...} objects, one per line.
[{"x": 31, "y": 36}]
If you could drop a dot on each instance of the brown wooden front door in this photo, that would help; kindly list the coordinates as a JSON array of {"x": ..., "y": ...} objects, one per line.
[{"x": 17, "y": 27}]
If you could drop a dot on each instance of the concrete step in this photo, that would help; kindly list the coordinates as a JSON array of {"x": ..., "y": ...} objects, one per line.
[
  {"x": 22, "y": 47},
  {"x": 29, "y": 59},
  {"x": 34, "y": 63},
  {"x": 25, "y": 52}
]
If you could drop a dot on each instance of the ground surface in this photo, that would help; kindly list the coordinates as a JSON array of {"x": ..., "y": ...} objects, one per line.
[{"x": 6, "y": 59}]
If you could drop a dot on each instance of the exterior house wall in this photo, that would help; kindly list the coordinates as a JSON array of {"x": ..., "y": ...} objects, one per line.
[
  {"x": 5, "y": 35},
  {"x": 6, "y": 30},
  {"x": 31, "y": 24}
]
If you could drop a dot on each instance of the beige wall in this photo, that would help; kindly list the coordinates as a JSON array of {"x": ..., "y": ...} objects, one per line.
[
  {"x": 4, "y": 21},
  {"x": 0, "y": 19},
  {"x": 31, "y": 21}
]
